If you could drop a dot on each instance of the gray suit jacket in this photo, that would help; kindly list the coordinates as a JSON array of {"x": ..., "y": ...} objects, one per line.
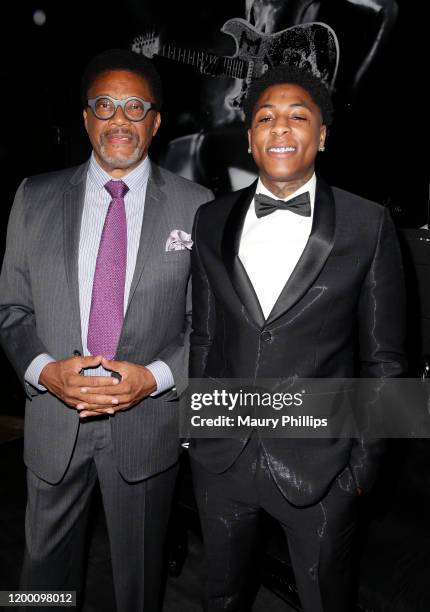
[{"x": 39, "y": 312}]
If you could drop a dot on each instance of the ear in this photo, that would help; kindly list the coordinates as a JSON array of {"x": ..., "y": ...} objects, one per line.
[
  {"x": 157, "y": 122},
  {"x": 323, "y": 135},
  {"x": 85, "y": 116},
  {"x": 249, "y": 138}
]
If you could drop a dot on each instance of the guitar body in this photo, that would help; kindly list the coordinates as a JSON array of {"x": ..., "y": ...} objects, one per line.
[{"x": 312, "y": 46}]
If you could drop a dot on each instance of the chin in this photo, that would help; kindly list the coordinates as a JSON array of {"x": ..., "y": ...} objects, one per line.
[
  {"x": 278, "y": 173},
  {"x": 121, "y": 161}
]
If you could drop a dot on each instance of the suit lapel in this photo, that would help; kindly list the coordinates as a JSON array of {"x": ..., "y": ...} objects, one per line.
[
  {"x": 154, "y": 200},
  {"x": 73, "y": 204},
  {"x": 315, "y": 254},
  {"x": 230, "y": 249}
]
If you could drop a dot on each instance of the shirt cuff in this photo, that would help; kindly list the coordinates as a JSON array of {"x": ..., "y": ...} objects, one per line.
[
  {"x": 35, "y": 368},
  {"x": 163, "y": 376}
]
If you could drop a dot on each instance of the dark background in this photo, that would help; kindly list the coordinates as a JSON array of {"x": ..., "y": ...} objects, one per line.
[{"x": 377, "y": 146}]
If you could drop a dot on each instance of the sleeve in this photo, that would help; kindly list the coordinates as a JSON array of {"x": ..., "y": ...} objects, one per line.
[
  {"x": 32, "y": 373},
  {"x": 18, "y": 335},
  {"x": 204, "y": 316},
  {"x": 381, "y": 321},
  {"x": 163, "y": 376}
]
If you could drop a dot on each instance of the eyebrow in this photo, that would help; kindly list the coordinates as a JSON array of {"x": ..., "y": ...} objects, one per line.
[{"x": 108, "y": 95}]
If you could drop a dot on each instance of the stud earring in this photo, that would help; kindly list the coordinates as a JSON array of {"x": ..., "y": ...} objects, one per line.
[
  {"x": 249, "y": 149},
  {"x": 322, "y": 148}
]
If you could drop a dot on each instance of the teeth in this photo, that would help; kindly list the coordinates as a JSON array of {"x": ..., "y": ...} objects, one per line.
[{"x": 282, "y": 149}]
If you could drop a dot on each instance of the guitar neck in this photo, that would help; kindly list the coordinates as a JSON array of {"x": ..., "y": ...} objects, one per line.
[{"x": 206, "y": 62}]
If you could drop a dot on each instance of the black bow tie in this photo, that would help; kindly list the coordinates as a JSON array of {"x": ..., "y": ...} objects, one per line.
[{"x": 265, "y": 205}]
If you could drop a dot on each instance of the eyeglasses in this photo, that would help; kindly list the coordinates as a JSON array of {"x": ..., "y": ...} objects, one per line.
[{"x": 135, "y": 109}]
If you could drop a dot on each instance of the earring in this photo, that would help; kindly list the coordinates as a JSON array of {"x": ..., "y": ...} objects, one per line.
[
  {"x": 249, "y": 149},
  {"x": 322, "y": 148}
]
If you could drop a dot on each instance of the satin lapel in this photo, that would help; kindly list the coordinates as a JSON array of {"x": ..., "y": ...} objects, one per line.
[
  {"x": 315, "y": 254},
  {"x": 73, "y": 204},
  {"x": 154, "y": 199},
  {"x": 230, "y": 249}
]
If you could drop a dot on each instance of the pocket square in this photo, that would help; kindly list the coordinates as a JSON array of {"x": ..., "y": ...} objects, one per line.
[{"x": 178, "y": 240}]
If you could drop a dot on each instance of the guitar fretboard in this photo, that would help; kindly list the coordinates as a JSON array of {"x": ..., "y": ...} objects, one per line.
[{"x": 207, "y": 62}]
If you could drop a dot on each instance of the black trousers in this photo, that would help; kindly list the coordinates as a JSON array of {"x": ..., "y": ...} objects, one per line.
[
  {"x": 320, "y": 537},
  {"x": 137, "y": 515}
]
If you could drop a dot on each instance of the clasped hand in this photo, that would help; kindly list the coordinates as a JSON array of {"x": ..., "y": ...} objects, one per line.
[{"x": 97, "y": 395}]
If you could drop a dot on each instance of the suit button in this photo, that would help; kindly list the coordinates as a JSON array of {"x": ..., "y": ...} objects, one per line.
[{"x": 266, "y": 336}]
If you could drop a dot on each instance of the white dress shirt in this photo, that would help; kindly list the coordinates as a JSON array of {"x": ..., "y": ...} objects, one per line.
[
  {"x": 271, "y": 246},
  {"x": 96, "y": 204}
]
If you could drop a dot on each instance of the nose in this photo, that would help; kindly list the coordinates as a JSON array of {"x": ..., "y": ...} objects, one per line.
[
  {"x": 280, "y": 126},
  {"x": 119, "y": 117}
]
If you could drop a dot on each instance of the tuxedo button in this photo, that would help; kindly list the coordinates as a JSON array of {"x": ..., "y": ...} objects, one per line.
[{"x": 266, "y": 336}]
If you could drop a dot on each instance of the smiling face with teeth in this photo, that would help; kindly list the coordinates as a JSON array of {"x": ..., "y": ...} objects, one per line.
[
  {"x": 119, "y": 144},
  {"x": 285, "y": 135}
]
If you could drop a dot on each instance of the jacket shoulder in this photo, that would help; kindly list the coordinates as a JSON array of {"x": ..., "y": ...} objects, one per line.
[
  {"x": 353, "y": 203},
  {"x": 41, "y": 192},
  {"x": 57, "y": 178}
]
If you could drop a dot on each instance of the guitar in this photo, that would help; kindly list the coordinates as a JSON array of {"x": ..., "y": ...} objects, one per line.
[{"x": 313, "y": 46}]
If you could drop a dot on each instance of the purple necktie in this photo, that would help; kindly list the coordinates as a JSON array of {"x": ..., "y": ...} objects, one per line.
[{"x": 107, "y": 301}]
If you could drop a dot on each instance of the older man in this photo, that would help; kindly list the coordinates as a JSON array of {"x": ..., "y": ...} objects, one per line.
[{"x": 94, "y": 283}]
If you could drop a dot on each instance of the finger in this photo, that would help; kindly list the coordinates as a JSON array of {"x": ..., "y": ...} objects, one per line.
[
  {"x": 89, "y": 362},
  {"x": 87, "y": 413},
  {"x": 76, "y": 380},
  {"x": 125, "y": 405},
  {"x": 83, "y": 405},
  {"x": 96, "y": 400},
  {"x": 87, "y": 394},
  {"x": 121, "y": 388},
  {"x": 111, "y": 364},
  {"x": 95, "y": 408},
  {"x": 82, "y": 396}
]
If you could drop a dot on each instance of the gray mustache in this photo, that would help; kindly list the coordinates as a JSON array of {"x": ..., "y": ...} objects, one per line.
[{"x": 122, "y": 132}]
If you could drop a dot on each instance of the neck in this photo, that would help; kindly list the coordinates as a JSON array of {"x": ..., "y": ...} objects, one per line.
[{"x": 283, "y": 189}]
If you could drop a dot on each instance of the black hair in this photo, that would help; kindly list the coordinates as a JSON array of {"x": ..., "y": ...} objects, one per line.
[
  {"x": 284, "y": 73},
  {"x": 122, "y": 59}
]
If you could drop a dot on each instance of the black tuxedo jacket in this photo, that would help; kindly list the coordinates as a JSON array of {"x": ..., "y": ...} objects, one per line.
[{"x": 340, "y": 315}]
